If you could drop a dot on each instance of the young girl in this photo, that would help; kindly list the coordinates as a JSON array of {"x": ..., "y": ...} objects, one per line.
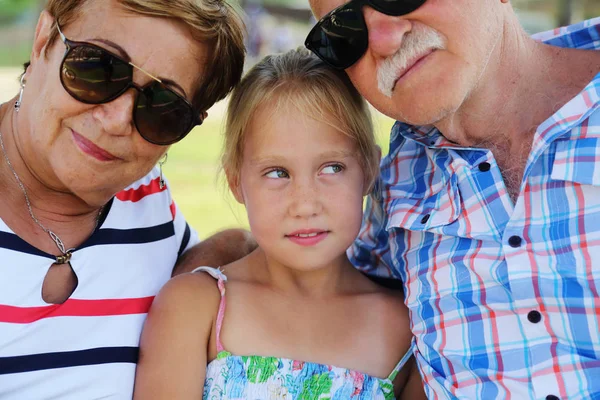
[{"x": 294, "y": 319}]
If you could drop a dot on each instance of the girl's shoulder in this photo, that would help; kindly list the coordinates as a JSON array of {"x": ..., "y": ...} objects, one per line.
[
  {"x": 385, "y": 294},
  {"x": 194, "y": 293},
  {"x": 387, "y": 317}
]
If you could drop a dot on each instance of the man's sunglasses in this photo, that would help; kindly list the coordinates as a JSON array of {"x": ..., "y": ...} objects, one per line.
[
  {"x": 341, "y": 38},
  {"x": 93, "y": 75}
]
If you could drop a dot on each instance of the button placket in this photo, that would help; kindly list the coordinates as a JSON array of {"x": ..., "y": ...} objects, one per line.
[
  {"x": 515, "y": 241},
  {"x": 534, "y": 316},
  {"x": 484, "y": 166}
]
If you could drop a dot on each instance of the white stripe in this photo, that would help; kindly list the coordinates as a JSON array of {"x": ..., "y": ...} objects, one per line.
[
  {"x": 60, "y": 334},
  {"x": 103, "y": 381}
]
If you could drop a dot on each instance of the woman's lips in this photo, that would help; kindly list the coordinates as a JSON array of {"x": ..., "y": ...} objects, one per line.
[{"x": 91, "y": 149}]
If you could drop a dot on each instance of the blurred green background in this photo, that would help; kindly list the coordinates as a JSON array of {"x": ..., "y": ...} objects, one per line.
[{"x": 274, "y": 26}]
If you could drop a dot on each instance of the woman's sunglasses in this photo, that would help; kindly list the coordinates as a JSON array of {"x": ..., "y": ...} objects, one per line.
[
  {"x": 341, "y": 38},
  {"x": 93, "y": 75}
]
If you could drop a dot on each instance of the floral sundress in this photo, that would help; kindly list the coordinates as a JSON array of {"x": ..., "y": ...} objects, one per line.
[{"x": 233, "y": 377}]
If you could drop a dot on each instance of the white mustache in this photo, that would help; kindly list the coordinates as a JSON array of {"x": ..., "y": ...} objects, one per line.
[{"x": 417, "y": 42}]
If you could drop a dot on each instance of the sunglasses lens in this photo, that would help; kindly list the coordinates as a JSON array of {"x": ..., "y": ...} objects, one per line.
[
  {"x": 91, "y": 75},
  {"x": 162, "y": 116},
  {"x": 396, "y": 7},
  {"x": 340, "y": 38}
]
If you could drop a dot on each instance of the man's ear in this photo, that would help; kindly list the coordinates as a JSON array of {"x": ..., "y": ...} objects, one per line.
[
  {"x": 233, "y": 180},
  {"x": 42, "y": 35}
]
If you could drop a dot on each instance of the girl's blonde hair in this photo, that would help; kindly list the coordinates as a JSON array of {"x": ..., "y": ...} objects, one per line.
[{"x": 300, "y": 79}]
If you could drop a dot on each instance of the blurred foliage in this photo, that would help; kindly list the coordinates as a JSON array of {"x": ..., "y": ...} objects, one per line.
[
  {"x": 557, "y": 8},
  {"x": 10, "y": 10}
]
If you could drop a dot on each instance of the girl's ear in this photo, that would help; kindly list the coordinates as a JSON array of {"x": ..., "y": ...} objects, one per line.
[
  {"x": 233, "y": 180},
  {"x": 42, "y": 34}
]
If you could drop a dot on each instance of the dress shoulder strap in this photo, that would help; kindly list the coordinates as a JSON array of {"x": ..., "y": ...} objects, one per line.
[
  {"x": 221, "y": 279},
  {"x": 402, "y": 361}
]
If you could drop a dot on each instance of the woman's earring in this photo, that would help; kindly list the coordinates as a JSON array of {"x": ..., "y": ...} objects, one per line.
[
  {"x": 18, "y": 102},
  {"x": 161, "y": 181}
]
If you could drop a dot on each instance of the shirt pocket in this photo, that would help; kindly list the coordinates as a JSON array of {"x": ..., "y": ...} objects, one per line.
[
  {"x": 431, "y": 213},
  {"x": 577, "y": 161}
]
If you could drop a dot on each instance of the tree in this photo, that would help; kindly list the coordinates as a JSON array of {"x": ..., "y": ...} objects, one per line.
[
  {"x": 10, "y": 10},
  {"x": 565, "y": 12}
]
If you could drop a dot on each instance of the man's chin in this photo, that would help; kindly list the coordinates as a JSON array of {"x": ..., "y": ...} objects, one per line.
[
  {"x": 410, "y": 110},
  {"x": 418, "y": 117}
]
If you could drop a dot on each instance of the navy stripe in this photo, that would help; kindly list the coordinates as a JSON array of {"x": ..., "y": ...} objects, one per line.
[
  {"x": 38, "y": 362},
  {"x": 185, "y": 240},
  {"x": 130, "y": 236},
  {"x": 11, "y": 241},
  {"x": 100, "y": 237}
]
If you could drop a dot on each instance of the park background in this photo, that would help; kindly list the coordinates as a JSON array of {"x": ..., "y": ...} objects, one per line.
[{"x": 273, "y": 26}]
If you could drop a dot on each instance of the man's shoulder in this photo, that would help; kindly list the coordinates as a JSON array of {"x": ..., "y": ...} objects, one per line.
[{"x": 582, "y": 35}]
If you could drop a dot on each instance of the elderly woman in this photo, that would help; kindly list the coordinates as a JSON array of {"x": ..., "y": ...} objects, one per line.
[{"x": 88, "y": 229}]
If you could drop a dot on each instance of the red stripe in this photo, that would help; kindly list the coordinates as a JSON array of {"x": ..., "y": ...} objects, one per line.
[
  {"x": 141, "y": 192},
  {"x": 75, "y": 308},
  {"x": 173, "y": 210}
]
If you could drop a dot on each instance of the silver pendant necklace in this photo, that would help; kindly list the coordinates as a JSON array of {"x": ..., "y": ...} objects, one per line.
[{"x": 66, "y": 253}]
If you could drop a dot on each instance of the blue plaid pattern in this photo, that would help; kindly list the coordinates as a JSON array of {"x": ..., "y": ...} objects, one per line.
[{"x": 503, "y": 298}]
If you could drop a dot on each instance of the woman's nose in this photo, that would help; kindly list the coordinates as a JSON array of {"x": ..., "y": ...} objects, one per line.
[{"x": 116, "y": 117}]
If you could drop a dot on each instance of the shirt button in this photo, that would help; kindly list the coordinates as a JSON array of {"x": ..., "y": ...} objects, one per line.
[
  {"x": 534, "y": 316},
  {"x": 425, "y": 219},
  {"x": 484, "y": 166},
  {"x": 515, "y": 241},
  {"x": 552, "y": 397}
]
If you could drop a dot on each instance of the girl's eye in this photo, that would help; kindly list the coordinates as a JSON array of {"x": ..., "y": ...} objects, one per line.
[
  {"x": 277, "y": 174},
  {"x": 333, "y": 169}
]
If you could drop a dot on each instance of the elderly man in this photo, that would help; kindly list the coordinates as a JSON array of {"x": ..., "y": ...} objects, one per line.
[{"x": 489, "y": 209}]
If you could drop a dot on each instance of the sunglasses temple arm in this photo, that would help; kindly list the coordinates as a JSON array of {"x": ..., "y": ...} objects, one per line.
[{"x": 62, "y": 36}]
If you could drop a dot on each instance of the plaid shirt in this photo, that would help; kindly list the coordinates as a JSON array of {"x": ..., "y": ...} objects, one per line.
[{"x": 503, "y": 297}]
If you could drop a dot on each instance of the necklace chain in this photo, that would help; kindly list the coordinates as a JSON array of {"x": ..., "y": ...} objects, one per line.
[{"x": 66, "y": 254}]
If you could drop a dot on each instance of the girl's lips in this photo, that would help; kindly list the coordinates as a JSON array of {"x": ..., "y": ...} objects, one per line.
[
  {"x": 91, "y": 149},
  {"x": 308, "y": 237}
]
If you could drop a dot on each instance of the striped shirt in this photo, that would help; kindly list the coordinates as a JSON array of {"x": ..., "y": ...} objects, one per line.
[
  {"x": 87, "y": 347},
  {"x": 503, "y": 297}
]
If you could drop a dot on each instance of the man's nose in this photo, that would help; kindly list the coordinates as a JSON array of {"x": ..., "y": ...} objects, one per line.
[
  {"x": 386, "y": 32},
  {"x": 116, "y": 117}
]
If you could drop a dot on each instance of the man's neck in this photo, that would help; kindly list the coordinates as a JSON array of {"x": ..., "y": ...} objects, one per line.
[{"x": 528, "y": 82}]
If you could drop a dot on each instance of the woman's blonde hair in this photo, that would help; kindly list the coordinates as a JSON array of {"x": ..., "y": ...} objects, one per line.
[
  {"x": 214, "y": 23},
  {"x": 300, "y": 79}
]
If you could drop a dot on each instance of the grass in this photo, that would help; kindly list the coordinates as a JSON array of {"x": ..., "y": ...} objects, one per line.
[
  {"x": 192, "y": 173},
  {"x": 14, "y": 55}
]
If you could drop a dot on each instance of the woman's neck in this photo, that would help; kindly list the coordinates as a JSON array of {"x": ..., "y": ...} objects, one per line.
[{"x": 23, "y": 194}]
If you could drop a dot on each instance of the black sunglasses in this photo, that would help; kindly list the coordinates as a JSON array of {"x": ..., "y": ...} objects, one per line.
[
  {"x": 93, "y": 75},
  {"x": 341, "y": 38}
]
